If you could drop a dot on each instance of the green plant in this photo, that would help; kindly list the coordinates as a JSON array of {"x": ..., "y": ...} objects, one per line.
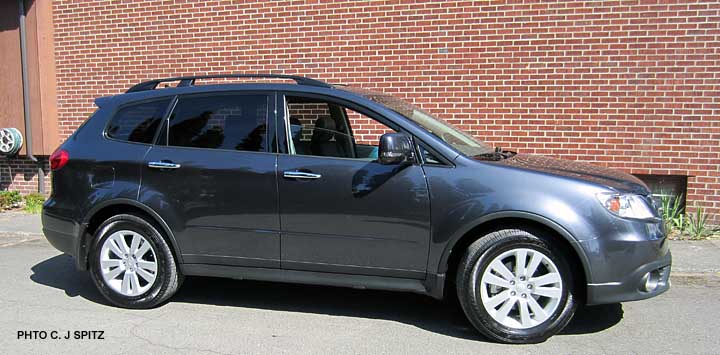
[
  {"x": 697, "y": 223},
  {"x": 672, "y": 212},
  {"x": 9, "y": 199},
  {"x": 679, "y": 223},
  {"x": 34, "y": 202}
]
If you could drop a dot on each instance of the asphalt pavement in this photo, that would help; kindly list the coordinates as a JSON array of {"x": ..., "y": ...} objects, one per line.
[{"x": 42, "y": 293}]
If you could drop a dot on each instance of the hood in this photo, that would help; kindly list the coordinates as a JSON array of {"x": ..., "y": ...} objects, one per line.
[{"x": 620, "y": 181}]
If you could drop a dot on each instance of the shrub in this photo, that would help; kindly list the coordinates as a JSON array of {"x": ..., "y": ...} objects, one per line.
[
  {"x": 697, "y": 224},
  {"x": 34, "y": 202},
  {"x": 672, "y": 212},
  {"x": 9, "y": 199}
]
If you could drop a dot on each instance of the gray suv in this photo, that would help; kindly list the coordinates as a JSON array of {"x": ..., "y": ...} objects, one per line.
[{"x": 314, "y": 183}]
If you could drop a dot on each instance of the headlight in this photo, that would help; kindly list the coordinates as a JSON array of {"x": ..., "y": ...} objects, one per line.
[{"x": 626, "y": 205}]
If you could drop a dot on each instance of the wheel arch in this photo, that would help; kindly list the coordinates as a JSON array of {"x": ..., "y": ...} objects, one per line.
[
  {"x": 101, "y": 212},
  {"x": 454, "y": 250}
]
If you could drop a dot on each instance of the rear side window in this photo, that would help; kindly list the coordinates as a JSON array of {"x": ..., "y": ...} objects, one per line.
[
  {"x": 137, "y": 123},
  {"x": 229, "y": 121}
]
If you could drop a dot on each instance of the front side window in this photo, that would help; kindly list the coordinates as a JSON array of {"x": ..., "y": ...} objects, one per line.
[
  {"x": 323, "y": 128},
  {"x": 137, "y": 123},
  {"x": 226, "y": 121}
]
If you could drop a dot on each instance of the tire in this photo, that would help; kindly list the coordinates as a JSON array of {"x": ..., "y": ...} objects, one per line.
[
  {"x": 121, "y": 276},
  {"x": 480, "y": 278}
]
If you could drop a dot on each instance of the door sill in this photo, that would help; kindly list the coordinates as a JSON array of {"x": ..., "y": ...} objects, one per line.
[{"x": 328, "y": 268}]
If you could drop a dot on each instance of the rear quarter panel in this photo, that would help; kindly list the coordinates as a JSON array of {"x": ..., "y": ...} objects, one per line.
[{"x": 99, "y": 170}]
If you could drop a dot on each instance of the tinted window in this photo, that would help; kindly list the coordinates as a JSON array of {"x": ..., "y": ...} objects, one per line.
[
  {"x": 235, "y": 122},
  {"x": 137, "y": 123}
]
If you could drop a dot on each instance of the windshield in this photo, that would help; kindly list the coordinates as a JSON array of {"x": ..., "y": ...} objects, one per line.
[{"x": 461, "y": 141}]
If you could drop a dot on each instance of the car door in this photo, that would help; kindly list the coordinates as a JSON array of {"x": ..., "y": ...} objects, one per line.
[
  {"x": 212, "y": 178},
  {"x": 341, "y": 211}
]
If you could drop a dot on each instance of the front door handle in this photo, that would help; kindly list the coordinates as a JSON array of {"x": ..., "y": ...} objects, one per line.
[
  {"x": 300, "y": 175},
  {"x": 163, "y": 165}
]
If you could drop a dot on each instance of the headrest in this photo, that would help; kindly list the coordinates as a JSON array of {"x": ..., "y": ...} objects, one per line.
[{"x": 324, "y": 129}]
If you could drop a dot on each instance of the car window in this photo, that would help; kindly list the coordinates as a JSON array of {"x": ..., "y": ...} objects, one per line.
[
  {"x": 429, "y": 157},
  {"x": 231, "y": 121},
  {"x": 324, "y": 128},
  {"x": 137, "y": 123}
]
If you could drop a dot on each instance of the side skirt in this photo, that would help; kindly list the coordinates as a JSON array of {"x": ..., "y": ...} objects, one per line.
[{"x": 315, "y": 278}]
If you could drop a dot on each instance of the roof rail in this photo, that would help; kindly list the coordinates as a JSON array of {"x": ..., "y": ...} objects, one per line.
[{"x": 190, "y": 80}]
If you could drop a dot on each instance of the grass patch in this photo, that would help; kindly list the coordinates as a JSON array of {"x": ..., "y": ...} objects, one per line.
[{"x": 34, "y": 202}]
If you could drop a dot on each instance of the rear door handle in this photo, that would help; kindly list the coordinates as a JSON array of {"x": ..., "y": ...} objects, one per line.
[
  {"x": 163, "y": 165},
  {"x": 300, "y": 175}
]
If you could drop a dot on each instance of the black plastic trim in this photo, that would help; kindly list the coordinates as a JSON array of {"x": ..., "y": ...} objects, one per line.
[{"x": 190, "y": 80}]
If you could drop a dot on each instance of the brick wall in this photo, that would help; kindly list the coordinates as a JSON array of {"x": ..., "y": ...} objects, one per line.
[{"x": 633, "y": 85}]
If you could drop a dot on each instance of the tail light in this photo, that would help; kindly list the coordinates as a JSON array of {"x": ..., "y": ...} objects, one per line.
[{"x": 58, "y": 159}]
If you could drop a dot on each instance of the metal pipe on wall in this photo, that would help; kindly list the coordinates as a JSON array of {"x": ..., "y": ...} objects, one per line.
[{"x": 26, "y": 99}]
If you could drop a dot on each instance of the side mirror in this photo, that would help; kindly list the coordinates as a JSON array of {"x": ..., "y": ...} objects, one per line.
[{"x": 396, "y": 148}]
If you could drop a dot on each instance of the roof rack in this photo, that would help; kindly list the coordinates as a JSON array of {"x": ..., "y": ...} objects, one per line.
[{"x": 190, "y": 80}]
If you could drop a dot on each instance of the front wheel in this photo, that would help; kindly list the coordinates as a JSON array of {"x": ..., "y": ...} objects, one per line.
[
  {"x": 131, "y": 264},
  {"x": 515, "y": 287}
]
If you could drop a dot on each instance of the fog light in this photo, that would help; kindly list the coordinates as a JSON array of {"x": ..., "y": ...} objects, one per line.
[{"x": 650, "y": 281}]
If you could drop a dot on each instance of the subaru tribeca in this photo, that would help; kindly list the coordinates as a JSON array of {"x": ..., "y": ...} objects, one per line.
[{"x": 314, "y": 183}]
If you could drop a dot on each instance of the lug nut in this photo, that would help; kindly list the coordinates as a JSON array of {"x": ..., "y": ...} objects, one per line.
[
  {"x": 530, "y": 287},
  {"x": 522, "y": 278},
  {"x": 523, "y": 295},
  {"x": 512, "y": 293},
  {"x": 512, "y": 282}
]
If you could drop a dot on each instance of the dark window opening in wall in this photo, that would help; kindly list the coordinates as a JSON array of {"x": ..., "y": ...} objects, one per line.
[{"x": 674, "y": 186}]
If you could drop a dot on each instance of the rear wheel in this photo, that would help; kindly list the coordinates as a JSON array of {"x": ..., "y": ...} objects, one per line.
[
  {"x": 131, "y": 264},
  {"x": 515, "y": 287}
]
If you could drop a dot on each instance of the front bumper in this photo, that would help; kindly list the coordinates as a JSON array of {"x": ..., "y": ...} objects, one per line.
[
  {"x": 622, "y": 261},
  {"x": 632, "y": 287}
]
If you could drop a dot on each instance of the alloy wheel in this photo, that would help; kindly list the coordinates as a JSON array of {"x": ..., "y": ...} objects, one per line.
[
  {"x": 521, "y": 288},
  {"x": 128, "y": 263}
]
